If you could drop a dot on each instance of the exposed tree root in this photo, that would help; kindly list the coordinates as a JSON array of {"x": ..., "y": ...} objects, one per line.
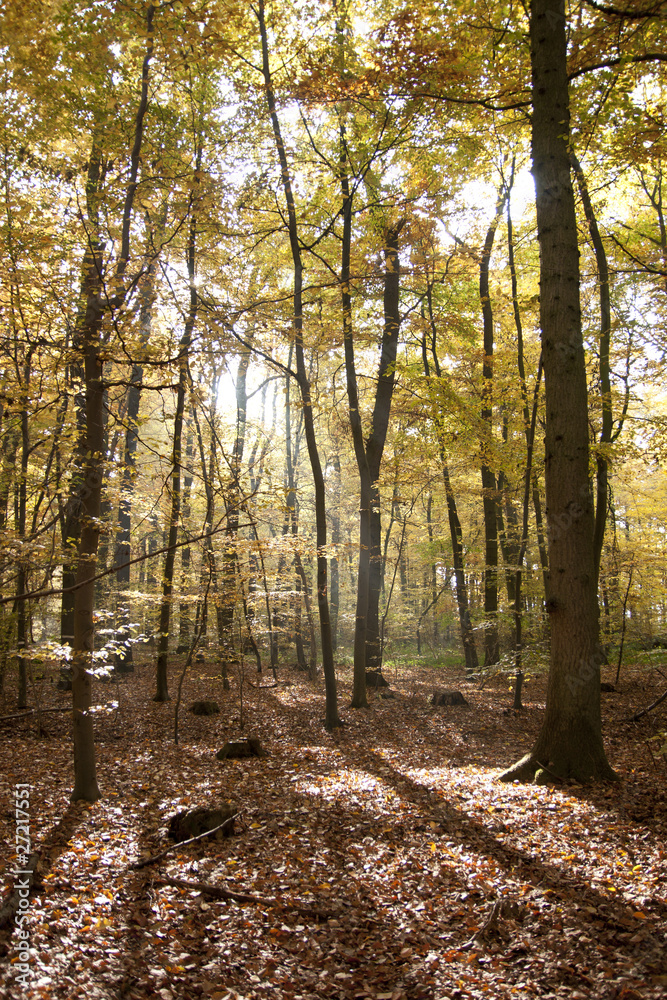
[
  {"x": 543, "y": 769},
  {"x": 245, "y": 897}
]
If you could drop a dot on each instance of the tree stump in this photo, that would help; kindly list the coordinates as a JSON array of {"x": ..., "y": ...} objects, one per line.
[
  {"x": 448, "y": 698},
  {"x": 205, "y": 708},
  {"x": 193, "y": 822},
  {"x": 374, "y": 679},
  {"x": 238, "y": 749}
]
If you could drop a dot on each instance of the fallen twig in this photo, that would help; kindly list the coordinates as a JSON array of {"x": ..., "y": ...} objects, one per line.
[
  {"x": 31, "y": 711},
  {"x": 244, "y": 897},
  {"x": 183, "y": 843},
  {"x": 645, "y": 711}
]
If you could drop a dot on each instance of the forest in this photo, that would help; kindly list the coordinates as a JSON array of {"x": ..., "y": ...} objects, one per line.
[{"x": 333, "y": 432}]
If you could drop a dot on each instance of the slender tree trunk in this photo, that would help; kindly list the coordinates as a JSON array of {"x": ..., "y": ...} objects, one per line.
[
  {"x": 291, "y": 523},
  {"x": 455, "y": 530},
  {"x": 569, "y": 744},
  {"x": 332, "y": 719},
  {"x": 378, "y": 435},
  {"x": 71, "y": 519},
  {"x": 162, "y": 689},
  {"x": 21, "y": 576},
  {"x": 432, "y": 572},
  {"x": 209, "y": 570},
  {"x": 184, "y": 610},
  {"x": 489, "y": 488},
  {"x": 359, "y": 699},
  {"x": 124, "y": 658},
  {"x": 607, "y": 433},
  {"x": 334, "y": 574},
  {"x": 537, "y": 504}
]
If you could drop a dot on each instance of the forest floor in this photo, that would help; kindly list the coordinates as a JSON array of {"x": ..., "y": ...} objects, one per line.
[{"x": 390, "y": 862}]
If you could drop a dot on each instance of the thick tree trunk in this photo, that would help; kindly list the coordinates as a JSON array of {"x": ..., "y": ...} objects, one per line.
[{"x": 569, "y": 744}]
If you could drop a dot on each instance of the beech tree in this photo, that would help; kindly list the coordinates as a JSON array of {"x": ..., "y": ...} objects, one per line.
[{"x": 570, "y": 741}]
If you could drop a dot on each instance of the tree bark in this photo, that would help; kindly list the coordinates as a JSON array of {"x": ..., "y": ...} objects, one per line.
[
  {"x": 378, "y": 435},
  {"x": 331, "y": 720},
  {"x": 569, "y": 744},
  {"x": 455, "y": 530},
  {"x": 162, "y": 688},
  {"x": 604, "y": 338},
  {"x": 334, "y": 574},
  {"x": 122, "y": 550},
  {"x": 489, "y": 488},
  {"x": 85, "y": 780}
]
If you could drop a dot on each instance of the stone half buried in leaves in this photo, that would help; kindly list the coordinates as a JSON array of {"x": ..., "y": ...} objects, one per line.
[
  {"x": 238, "y": 749},
  {"x": 218, "y": 820},
  {"x": 205, "y": 708},
  {"x": 448, "y": 698}
]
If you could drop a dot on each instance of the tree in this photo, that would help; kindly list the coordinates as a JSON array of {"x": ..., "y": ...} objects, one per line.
[
  {"x": 303, "y": 382},
  {"x": 162, "y": 691},
  {"x": 569, "y": 744}
]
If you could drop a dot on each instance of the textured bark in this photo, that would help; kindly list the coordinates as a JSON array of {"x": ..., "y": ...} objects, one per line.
[
  {"x": 91, "y": 274},
  {"x": 569, "y": 744},
  {"x": 85, "y": 780}
]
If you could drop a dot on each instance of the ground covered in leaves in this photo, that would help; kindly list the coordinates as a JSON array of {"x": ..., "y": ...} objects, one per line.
[{"x": 386, "y": 859}]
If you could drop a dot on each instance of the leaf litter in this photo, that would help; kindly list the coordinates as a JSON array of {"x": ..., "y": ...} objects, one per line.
[{"x": 382, "y": 861}]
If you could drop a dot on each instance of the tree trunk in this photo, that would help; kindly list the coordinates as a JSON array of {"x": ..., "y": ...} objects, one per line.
[
  {"x": 331, "y": 719},
  {"x": 455, "y": 531},
  {"x": 85, "y": 780},
  {"x": 489, "y": 488},
  {"x": 184, "y": 608},
  {"x": 334, "y": 574},
  {"x": 569, "y": 744},
  {"x": 607, "y": 433},
  {"x": 124, "y": 659},
  {"x": 162, "y": 689},
  {"x": 378, "y": 435},
  {"x": 71, "y": 518}
]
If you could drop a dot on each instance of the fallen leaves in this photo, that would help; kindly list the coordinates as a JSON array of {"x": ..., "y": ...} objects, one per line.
[{"x": 381, "y": 861}]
